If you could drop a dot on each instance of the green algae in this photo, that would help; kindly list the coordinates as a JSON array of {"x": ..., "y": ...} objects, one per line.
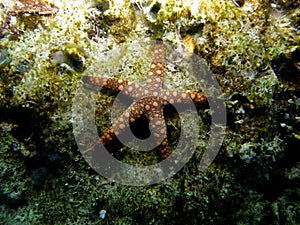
[{"x": 244, "y": 185}]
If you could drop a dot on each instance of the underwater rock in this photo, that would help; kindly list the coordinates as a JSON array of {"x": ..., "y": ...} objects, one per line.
[
  {"x": 39, "y": 176},
  {"x": 287, "y": 69},
  {"x": 242, "y": 44},
  {"x": 25, "y": 7},
  {"x": 4, "y": 57},
  {"x": 23, "y": 68}
]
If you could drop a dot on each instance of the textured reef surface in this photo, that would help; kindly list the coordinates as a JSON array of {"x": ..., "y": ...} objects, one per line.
[{"x": 252, "y": 48}]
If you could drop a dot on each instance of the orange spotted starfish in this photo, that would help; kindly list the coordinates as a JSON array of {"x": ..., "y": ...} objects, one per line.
[{"x": 149, "y": 100}]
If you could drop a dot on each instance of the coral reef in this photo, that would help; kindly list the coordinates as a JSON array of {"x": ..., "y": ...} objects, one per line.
[
  {"x": 23, "y": 8},
  {"x": 252, "y": 47}
]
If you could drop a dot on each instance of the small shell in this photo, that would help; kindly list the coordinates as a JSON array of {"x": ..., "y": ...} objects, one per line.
[
  {"x": 238, "y": 3},
  {"x": 102, "y": 214},
  {"x": 74, "y": 61},
  {"x": 190, "y": 43}
]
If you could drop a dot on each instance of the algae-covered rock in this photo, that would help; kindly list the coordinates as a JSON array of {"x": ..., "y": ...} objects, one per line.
[{"x": 252, "y": 47}]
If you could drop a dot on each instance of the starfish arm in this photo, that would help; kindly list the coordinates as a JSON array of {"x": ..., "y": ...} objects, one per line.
[
  {"x": 180, "y": 97},
  {"x": 108, "y": 137},
  {"x": 163, "y": 148},
  {"x": 156, "y": 72},
  {"x": 198, "y": 98},
  {"x": 157, "y": 124},
  {"x": 115, "y": 84},
  {"x": 135, "y": 111}
]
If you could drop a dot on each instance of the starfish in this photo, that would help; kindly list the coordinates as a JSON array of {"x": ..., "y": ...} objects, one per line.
[{"x": 149, "y": 100}]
